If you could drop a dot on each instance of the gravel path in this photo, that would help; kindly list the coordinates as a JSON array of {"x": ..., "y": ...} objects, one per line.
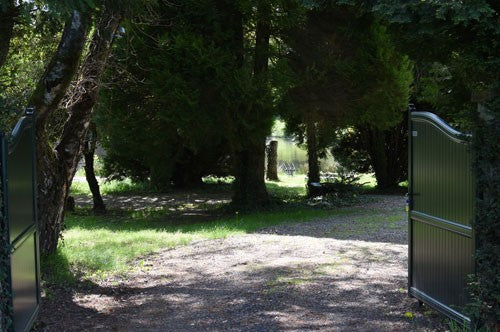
[{"x": 344, "y": 273}]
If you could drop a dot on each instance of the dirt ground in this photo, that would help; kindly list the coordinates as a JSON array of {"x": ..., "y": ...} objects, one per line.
[{"x": 330, "y": 274}]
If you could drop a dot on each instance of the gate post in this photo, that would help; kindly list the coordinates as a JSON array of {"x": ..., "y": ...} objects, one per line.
[
  {"x": 5, "y": 282},
  {"x": 411, "y": 108}
]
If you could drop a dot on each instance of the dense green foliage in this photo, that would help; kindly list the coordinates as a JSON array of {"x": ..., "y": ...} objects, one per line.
[
  {"x": 193, "y": 99},
  {"x": 172, "y": 101},
  {"x": 349, "y": 78},
  {"x": 34, "y": 38},
  {"x": 485, "y": 286}
]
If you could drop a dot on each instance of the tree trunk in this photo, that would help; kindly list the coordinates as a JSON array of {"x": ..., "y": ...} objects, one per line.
[
  {"x": 8, "y": 15},
  {"x": 48, "y": 93},
  {"x": 312, "y": 153},
  {"x": 88, "y": 155},
  {"x": 379, "y": 160},
  {"x": 57, "y": 167},
  {"x": 249, "y": 159},
  {"x": 387, "y": 151},
  {"x": 262, "y": 35},
  {"x": 272, "y": 161},
  {"x": 384, "y": 155},
  {"x": 188, "y": 174},
  {"x": 249, "y": 185}
]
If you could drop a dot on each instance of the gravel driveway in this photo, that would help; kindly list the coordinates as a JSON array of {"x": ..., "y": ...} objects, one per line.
[{"x": 343, "y": 273}]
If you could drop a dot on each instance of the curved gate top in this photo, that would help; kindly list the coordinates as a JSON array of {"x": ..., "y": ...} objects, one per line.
[
  {"x": 441, "y": 234},
  {"x": 19, "y": 231}
]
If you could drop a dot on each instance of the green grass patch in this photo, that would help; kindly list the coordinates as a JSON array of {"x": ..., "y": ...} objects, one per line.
[
  {"x": 289, "y": 188},
  {"x": 368, "y": 181},
  {"x": 95, "y": 247},
  {"x": 112, "y": 187}
]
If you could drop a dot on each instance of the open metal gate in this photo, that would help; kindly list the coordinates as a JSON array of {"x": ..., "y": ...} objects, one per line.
[
  {"x": 19, "y": 225},
  {"x": 441, "y": 234}
]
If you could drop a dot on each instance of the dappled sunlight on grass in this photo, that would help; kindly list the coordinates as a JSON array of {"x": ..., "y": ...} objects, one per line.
[
  {"x": 79, "y": 186},
  {"x": 96, "y": 247},
  {"x": 95, "y": 253},
  {"x": 289, "y": 188},
  {"x": 367, "y": 180}
]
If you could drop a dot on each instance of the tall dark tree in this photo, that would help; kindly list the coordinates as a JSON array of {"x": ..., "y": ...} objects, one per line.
[
  {"x": 367, "y": 149},
  {"x": 49, "y": 92},
  {"x": 203, "y": 95},
  {"x": 349, "y": 74},
  {"x": 174, "y": 100},
  {"x": 249, "y": 155}
]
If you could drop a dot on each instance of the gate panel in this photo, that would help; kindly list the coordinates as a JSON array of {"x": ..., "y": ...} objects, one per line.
[
  {"x": 19, "y": 223},
  {"x": 20, "y": 182},
  {"x": 436, "y": 267},
  {"x": 442, "y": 177},
  {"x": 24, "y": 283},
  {"x": 441, "y": 214}
]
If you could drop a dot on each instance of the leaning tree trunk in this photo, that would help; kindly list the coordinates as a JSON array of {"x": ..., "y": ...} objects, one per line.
[
  {"x": 57, "y": 167},
  {"x": 88, "y": 155},
  {"x": 49, "y": 91},
  {"x": 272, "y": 161},
  {"x": 8, "y": 15},
  {"x": 312, "y": 153}
]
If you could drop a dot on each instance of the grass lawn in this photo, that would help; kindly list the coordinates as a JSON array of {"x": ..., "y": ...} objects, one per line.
[
  {"x": 95, "y": 247},
  {"x": 113, "y": 187}
]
